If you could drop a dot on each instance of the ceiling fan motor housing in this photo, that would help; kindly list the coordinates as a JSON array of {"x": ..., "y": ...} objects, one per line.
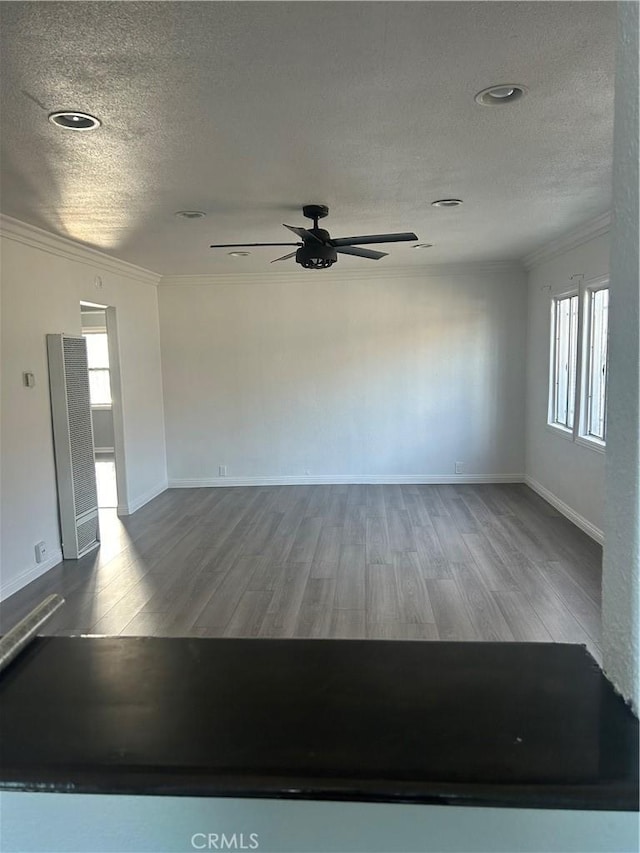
[{"x": 317, "y": 256}]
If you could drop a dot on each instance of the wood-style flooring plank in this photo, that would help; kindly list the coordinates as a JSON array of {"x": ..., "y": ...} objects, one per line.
[
  {"x": 248, "y": 616},
  {"x": 432, "y": 559},
  {"x": 143, "y": 624},
  {"x": 115, "y": 620},
  {"x": 401, "y": 631},
  {"x": 413, "y": 598},
  {"x": 226, "y": 597},
  {"x": 377, "y": 540},
  {"x": 400, "y": 530},
  {"x": 382, "y": 602},
  {"x": 585, "y": 611},
  {"x": 327, "y": 553},
  {"x": 282, "y": 614},
  {"x": 495, "y": 574},
  {"x": 449, "y": 611},
  {"x": 522, "y": 619},
  {"x": 316, "y": 608},
  {"x": 451, "y": 540},
  {"x": 375, "y": 502},
  {"x": 348, "y": 625},
  {"x": 434, "y": 507},
  {"x": 354, "y": 529},
  {"x": 350, "y": 588},
  {"x": 485, "y": 616}
]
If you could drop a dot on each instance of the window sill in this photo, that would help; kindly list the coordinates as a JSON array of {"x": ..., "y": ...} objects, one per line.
[
  {"x": 581, "y": 440},
  {"x": 591, "y": 443},
  {"x": 105, "y": 407},
  {"x": 560, "y": 431}
]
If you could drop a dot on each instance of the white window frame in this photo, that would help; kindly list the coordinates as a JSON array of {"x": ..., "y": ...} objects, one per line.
[
  {"x": 100, "y": 330},
  {"x": 578, "y": 434},
  {"x": 552, "y": 423},
  {"x": 583, "y": 437}
]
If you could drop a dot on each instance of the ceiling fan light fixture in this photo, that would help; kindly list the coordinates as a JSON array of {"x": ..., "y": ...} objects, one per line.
[
  {"x": 497, "y": 96},
  {"x": 447, "y": 202},
  {"x": 319, "y": 257},
  {"x": 239, "y": 254},
  {"x": 74, "y": 120},
  {"x": 423, "y": 246}
]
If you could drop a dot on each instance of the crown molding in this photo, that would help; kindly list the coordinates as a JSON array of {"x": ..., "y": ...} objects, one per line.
[
  {"x": 318, "y": 276},
  {"x": 63, "y": 247},
  {"x": 576, "y": 237},
  {"x": 38, "y": 238}
]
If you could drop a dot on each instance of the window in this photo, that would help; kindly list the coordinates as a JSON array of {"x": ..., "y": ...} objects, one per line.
[
  {"x": 596, "y": 363},
  {"x": 98, "y": 359},
  {"x": 565, "y": 362},
  {"x": 578, "y": 375}
]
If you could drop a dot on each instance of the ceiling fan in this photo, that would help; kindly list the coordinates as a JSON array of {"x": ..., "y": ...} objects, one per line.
[{"x": 318, "y": 250}]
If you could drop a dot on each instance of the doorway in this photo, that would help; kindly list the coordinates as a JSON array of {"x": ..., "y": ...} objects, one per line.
[{"x": 98, "y": 326}]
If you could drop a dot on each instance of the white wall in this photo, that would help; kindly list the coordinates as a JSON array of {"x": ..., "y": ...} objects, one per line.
[
  {"x": 569, "y": 472},
  {"x": 395, "y": 376},
  {"x": 621, "y": 564},
  {"x": 43, "y": 280}
]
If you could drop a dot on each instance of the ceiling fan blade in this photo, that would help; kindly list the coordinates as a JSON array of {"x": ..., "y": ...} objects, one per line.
[
  {"x": 373, "y": 238},
  {"x": 361, "y": 253},
  {"x": 245, "y": 245},
  {"x": 302, "y": 232},
  {"x": 285, "y": 257}
]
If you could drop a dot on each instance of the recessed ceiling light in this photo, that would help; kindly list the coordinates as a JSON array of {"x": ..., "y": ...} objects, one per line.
[
  {"x": 239, "y": 254},
  {"x": 74, "y": 120},
  {"x": 447, "y": 202},
  {"x": 190, "y": 214},
  {"x": 423, "y": 246},
  {"x": 496, "y": 96}
]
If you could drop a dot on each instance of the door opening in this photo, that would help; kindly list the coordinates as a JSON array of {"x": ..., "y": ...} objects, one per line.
[{"x": 103, "y": 387}]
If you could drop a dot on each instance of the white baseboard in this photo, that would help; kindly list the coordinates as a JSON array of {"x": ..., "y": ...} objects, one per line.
[
  {"x": 579, "y": 520},
  {"x": 141, "y": 500},
  {"x": 339, "y": 479},
  {"x": 30, "y": 574}
]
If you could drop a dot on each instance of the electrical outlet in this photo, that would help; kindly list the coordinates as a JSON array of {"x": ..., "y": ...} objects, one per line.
[
  {"x": 459, "y": 467},
  {"x": 222, "y": 470},
  {"x": 41, "y": 551}
]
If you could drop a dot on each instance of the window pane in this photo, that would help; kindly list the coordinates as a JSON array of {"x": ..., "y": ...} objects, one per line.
[
  {"x": 573, "y": 362},
  {"x": 598, "y": 323},
  {"x": 565, "y": 365},
  {"x": 99, "y": 388},
  {"x": 562, "y": 349},
  {"x": 97, "y": 350}
]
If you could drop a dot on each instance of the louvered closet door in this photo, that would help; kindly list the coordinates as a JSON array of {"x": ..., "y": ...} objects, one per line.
[{"x": 73, "y": 440}]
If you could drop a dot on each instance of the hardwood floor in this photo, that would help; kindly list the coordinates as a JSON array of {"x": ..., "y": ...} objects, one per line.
[{"x": 450, "y": 562}]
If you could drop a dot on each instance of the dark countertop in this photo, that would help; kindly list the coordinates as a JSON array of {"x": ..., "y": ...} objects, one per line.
[{"x": 531, "y": 725}]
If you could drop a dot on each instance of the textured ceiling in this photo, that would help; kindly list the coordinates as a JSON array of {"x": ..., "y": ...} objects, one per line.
[{"x": 248, "y": 110}]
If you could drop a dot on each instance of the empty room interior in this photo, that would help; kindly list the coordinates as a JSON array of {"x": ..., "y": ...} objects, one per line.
[
  {"x": 322, "y": 436},
  {"x": 320, "y": 368}
]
